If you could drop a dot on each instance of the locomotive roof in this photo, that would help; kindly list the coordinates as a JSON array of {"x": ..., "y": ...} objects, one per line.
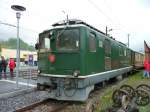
[
  {"x": 75, "y": 22},
  {"x": 80, "y": 22}
]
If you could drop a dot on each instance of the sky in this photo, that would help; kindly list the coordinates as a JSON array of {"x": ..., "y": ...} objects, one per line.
[{"x": 122, "y": 16}]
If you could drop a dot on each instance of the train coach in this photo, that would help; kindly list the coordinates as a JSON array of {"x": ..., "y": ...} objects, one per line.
[
  {"x": 137, "y": 60},
  {"x": 73, "y": 56}
]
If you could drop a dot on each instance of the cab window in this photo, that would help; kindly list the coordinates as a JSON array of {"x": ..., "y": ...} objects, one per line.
[
  {"x": 44, "y": 42},
  {"x": 67, "y": 40}
]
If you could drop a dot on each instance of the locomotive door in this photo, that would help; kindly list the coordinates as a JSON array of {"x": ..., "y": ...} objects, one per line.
[
  {"x": 91, "y": 58},
  {"x": 107, "y": 48}
]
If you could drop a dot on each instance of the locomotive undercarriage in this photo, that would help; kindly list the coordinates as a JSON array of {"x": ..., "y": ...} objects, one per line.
[{"x": 75, "y": 88}]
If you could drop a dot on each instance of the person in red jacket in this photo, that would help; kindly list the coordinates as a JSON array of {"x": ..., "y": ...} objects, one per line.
[
  {"x": 146, "y": 68},
  {"x": 12, "y": 65}
]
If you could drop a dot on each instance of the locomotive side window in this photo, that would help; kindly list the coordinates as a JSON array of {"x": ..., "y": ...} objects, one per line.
[
  {"x": 68, "y": 40},
  {"x": 107, "y": 47},
  {"x": 92, "y": 43},
  {"x": 44, "y": 42},
  {"x": 125, "y": 52},
  {"x": 47, "y": 43},
  {"x": 121, "y": 51},
  {"x": 100, "y": 43}
]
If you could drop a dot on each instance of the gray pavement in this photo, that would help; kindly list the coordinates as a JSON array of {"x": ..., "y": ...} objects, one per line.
[
  {"x": 27, "y": 80},
  {"x": 8, "y": 86}
]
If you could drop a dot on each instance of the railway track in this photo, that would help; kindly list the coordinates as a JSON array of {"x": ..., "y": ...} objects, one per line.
[
  {"x": 21, "y": 100},
  {"x": 30, "y": 101},
  {"x": 49, "y": 105},
  {"x": 56, "y": 106},
  {"x": 46, "y": 105}
]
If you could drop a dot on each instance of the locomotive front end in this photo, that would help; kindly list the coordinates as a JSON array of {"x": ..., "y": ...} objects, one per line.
[
  {"x": 59, "y": 51},
  {"x": 60, "y": 63}
]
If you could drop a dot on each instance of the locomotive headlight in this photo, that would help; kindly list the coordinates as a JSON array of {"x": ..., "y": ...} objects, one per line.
[
  {"x": 39, "y": 71},
  {"x": 76, "y": 73}
]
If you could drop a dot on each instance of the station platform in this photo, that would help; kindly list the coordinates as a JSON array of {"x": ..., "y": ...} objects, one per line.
[{"x": 8, "y": 88}]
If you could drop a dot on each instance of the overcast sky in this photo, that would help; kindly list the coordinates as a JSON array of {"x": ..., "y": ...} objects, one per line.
[{"x": 123, "y": 16}]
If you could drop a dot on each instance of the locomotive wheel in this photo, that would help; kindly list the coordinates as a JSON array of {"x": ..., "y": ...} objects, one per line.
[
  {"x": 117, "y": 96},
  {"x": 142, "y": 97},
  {"x": 129, "y": 89},
  {"x": 143, "y": 87},
  {"x": 70, "y": 92}
]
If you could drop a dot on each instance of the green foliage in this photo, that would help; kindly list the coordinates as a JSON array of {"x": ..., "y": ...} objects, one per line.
[{"x": 12, "y": 44}]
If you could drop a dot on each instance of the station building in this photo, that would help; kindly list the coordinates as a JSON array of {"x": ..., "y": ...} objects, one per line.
[{"x": 24, "y": 54}]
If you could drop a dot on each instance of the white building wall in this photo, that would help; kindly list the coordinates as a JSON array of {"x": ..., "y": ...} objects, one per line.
[{"x": 11, "y": 53}]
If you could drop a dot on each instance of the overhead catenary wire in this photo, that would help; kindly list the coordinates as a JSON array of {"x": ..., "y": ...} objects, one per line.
[
  {"x": 8, "y": 24},
  {"x": 5, "y": 4},
  {"x": 108, "y": 18},
  {"x": 104, "y": 14},
  {"x": 116, "y": 17},
  {"x": 101, "y": 11}
]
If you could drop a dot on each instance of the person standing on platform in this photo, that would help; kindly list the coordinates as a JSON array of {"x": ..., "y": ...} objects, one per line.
[
  {"x": 12, "y": 65},
  {"x": 4, "y": 65}
]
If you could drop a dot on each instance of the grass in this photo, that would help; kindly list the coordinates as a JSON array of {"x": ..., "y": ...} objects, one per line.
[{"x": 133, "y": 80}]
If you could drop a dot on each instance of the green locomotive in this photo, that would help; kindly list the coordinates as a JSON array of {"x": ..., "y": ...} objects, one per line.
[{"x": 74, "y": 56}]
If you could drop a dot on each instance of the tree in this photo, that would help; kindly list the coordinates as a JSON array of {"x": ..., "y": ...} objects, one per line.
[{"x": 12, "y": 44}]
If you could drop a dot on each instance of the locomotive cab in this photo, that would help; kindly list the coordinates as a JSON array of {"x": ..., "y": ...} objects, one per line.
[{"x": 59, "y": 51}]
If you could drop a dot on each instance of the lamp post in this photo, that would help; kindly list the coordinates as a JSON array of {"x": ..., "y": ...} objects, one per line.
[{"x": 18, "y": 10}]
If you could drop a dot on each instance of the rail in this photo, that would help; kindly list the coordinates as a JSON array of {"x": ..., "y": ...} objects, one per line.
[{"x": 53, "y": 106}]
